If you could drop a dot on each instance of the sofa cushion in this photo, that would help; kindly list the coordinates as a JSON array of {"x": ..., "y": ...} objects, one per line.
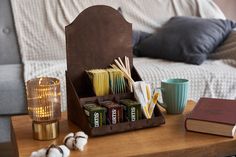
[
  {"x": 9, "y": 50},
  {"x": 227, "y": 50},
  {"x": 12, "y": 90},
  {"x": 185, "y": 39}
]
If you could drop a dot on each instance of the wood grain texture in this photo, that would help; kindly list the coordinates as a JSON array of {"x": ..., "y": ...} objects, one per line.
[
  {"x": 169, "y": 140},
  {"x": 97, "y": 36}
]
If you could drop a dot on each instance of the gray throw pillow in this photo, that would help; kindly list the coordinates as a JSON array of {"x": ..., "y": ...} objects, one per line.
[
  {"x": 185, "y": 39},
  {"x": 138, "y": 36}
]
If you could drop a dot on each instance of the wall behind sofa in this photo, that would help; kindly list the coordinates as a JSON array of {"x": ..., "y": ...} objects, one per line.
[{"x": 228, "y": 7}]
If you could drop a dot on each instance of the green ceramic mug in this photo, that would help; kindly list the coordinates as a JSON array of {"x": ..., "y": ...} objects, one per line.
[{"x": 174, "y": 95}]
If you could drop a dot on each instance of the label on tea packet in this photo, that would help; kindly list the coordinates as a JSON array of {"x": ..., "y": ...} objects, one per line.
[
  {"x": 96, "y": 114},
  {"x": 132, "y": 109},
  {"x": 114, "y": 112}
]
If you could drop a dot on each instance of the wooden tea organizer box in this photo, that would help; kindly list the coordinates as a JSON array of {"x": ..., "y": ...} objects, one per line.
[{"x": 94, "y": 39}]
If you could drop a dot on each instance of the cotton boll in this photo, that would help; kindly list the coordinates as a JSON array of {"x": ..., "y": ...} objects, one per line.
[
  {"x": 80, "y": 143},
  {"x": 81, "y": 140},
  {"x": 42, "y": 152},
  {"x": 54, "y": 152},
  {"x": 69, "y": 135},
  {"x": 66, "y": 151},
  {"x": 76, "y": 141},
  {"x": 69, "y": 140},
  {"x": 58, "y": 151},
  {"x": 82, "y": 134},
  {"x": 34, "y": 154},
  {"x": 39, "y": 153}
]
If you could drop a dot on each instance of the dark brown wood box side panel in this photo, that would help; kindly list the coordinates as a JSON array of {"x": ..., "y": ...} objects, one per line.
[{"x": 75, "y": 112}]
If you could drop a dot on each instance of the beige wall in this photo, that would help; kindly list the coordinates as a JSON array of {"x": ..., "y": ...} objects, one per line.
[{"x": 228, "y": 7}]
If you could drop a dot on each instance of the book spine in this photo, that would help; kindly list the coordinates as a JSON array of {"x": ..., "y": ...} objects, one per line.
[{"x": 185, "y": 124}]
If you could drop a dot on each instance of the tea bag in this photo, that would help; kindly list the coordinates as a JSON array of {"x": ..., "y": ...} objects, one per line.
[
  {"x": 100, "y": 81},
  {"x": 116, "y": 81}
]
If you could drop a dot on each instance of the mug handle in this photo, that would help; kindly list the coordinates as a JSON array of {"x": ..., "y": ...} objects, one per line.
[{"x": 162, "y": 104}]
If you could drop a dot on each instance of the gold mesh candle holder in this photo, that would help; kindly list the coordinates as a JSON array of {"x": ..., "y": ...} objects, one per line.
[{"x": 44, "y": 106}]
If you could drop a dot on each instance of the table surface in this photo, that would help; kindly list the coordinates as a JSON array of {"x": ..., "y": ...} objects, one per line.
[{"x": 170, "y": 139}]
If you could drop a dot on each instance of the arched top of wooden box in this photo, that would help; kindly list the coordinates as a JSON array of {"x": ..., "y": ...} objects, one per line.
[
  {"x": 99, "y": 10},
  {"x": 94, "y": 39}
]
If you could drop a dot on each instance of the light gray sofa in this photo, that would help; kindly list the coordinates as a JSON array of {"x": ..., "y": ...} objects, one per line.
[{"x": 12, "y": 88}]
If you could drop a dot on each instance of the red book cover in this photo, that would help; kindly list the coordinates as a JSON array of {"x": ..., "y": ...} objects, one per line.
[{"x": 213, "y": 111}]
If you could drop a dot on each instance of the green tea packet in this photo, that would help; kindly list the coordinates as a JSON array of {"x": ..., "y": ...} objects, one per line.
[
  {"x": 96, "y": 114},
  {"x": 132, "y": 109}
]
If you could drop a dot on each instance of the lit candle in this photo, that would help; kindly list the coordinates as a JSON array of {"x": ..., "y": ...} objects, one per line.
[{"x": 43, "y": 95}]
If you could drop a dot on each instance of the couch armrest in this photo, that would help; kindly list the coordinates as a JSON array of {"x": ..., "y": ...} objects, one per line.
[
  {"x": 8, "y": 145},
  {"x": 12, "y": 89}
]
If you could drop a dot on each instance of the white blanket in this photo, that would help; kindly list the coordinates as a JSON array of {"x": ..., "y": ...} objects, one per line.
[{"x": 40, "y": 26}]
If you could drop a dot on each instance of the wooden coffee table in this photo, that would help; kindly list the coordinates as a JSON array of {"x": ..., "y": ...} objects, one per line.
[{"x": 171, "y": 139}]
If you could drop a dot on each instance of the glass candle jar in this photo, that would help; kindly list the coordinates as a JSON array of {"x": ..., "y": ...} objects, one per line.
[{"x": 44, "y": 106}]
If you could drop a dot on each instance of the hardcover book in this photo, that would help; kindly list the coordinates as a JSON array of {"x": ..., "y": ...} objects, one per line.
[{"x": 213, "y": 116}]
